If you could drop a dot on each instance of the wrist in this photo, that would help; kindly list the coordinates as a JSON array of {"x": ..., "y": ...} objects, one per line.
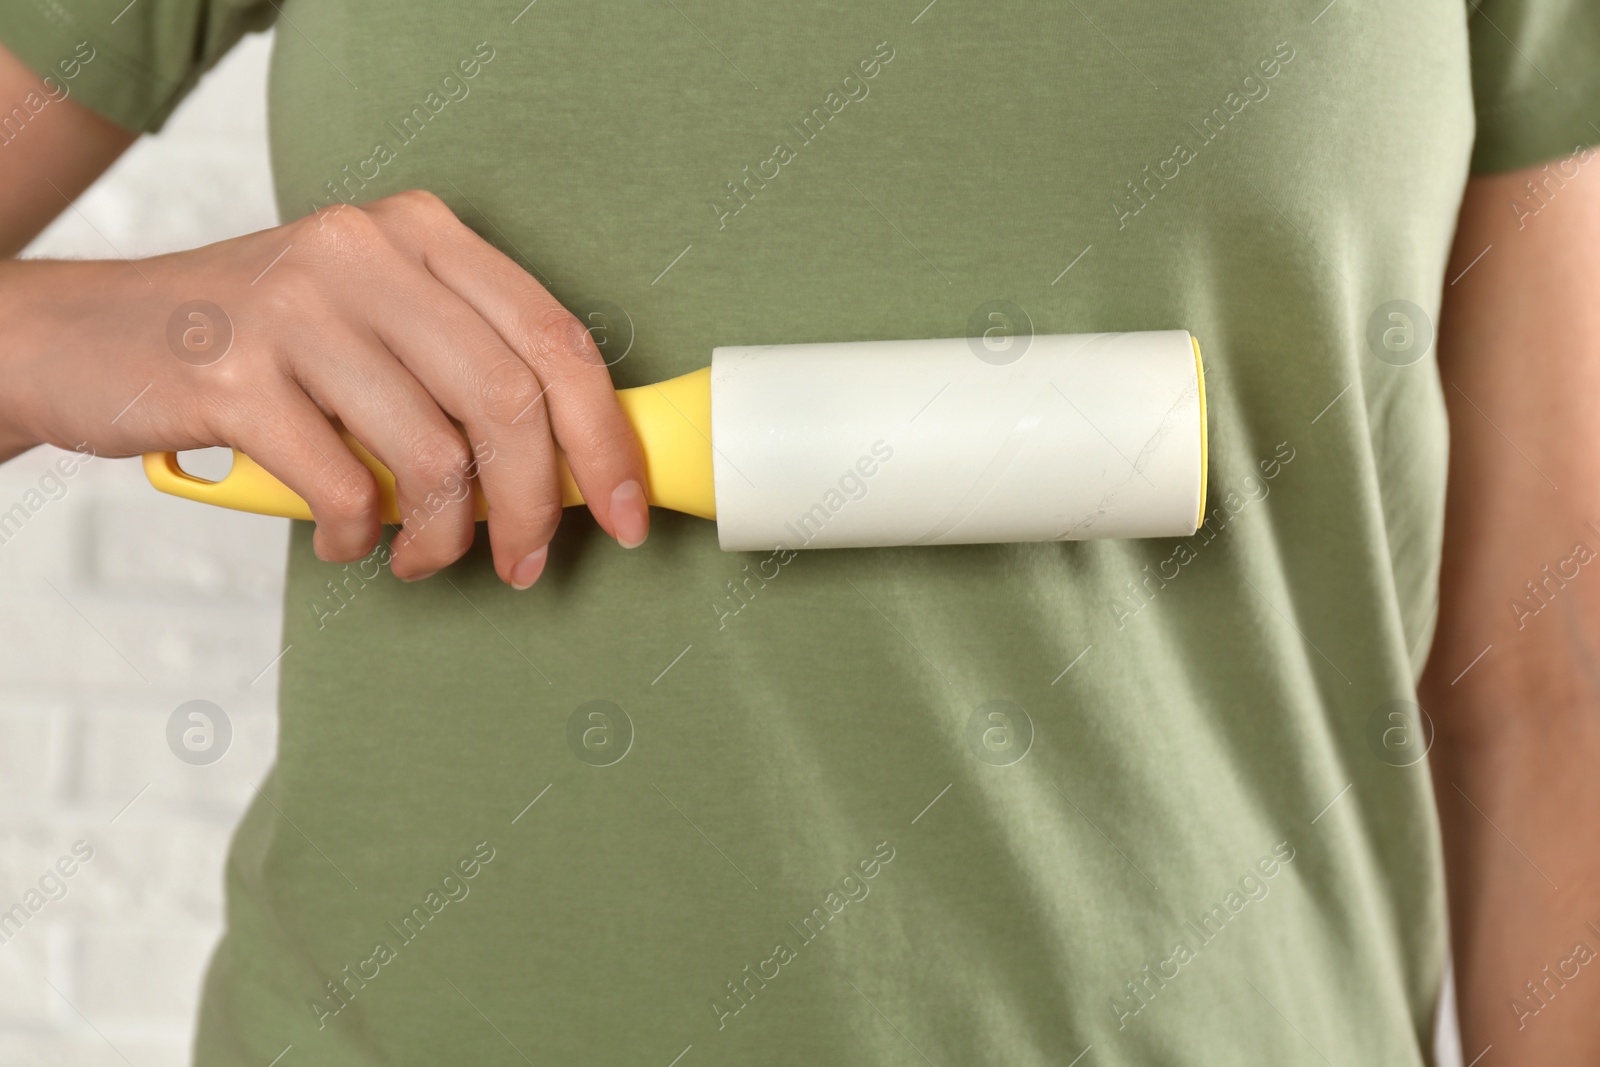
[{"x": 14, "y": 438}]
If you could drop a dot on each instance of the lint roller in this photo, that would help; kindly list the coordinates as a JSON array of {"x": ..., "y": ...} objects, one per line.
[{"x": 881, "y": 443}]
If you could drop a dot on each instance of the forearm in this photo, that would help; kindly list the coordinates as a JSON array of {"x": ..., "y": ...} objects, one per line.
[
  {"x": 1518, "y": 801},
  {"x": 1513, "y": 682},
  {"x": 62, "y": 150},
  {"x": 54, "y": 330},
  {"x": 20, "y": 320}
]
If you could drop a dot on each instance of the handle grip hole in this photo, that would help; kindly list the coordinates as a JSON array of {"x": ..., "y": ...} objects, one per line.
[{"x": 207, "y": 464}]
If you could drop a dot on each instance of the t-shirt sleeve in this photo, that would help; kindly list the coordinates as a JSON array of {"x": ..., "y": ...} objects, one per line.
[
  {"x": 132, "y": 62},
  {"x": 1535, "y": 80}
]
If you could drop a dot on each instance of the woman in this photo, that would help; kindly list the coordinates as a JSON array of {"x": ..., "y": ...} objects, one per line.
[{"x": 675, "y": 806}]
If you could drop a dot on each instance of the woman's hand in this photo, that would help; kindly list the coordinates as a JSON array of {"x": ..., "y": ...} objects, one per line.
[{"x": 437, "y": 352}]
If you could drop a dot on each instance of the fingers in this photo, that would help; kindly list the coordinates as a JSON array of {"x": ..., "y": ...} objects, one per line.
[
  {"x": 293, "y": 440},
  {"x": 465, "y": 365},
  {"x": 456, "y": 367},
  {"x": 390, "y": 412},
  {"x": 583, "y": 412}
]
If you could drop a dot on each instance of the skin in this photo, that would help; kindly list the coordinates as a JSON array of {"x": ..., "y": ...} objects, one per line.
[
  {"x": 395, "y": 318},
  {"x": 392, "y": 319},
  {"x": 1518, "y": 735}
]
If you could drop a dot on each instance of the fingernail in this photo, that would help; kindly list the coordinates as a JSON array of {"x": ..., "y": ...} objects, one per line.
[
  {"x": 630, "y": 514},
  {"x": 527, "y": 572},
  {"x": 420, "y": 577}
]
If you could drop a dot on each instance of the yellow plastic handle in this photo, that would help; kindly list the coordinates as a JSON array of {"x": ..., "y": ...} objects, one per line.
[{"x": 672, "y": 420}]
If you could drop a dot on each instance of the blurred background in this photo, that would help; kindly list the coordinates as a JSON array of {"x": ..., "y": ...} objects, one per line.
[{"x": 123, "y": 604}]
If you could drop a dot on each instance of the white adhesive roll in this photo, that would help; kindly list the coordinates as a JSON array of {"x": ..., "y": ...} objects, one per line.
[{"x": 880, "y": 443}]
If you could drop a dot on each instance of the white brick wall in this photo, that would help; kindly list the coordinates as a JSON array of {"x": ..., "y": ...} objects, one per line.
[{"x": 119, "y": 604}]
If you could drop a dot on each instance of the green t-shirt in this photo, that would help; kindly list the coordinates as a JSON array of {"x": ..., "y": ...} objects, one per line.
[{"x": 1101, "y": 803}]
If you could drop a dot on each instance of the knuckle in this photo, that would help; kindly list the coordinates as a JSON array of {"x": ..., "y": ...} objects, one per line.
[
  {"x": 436, "y": 545},
  {"x": 418, "y": 204},
  {"x": 343, "y": 227},
  {"x": 241, "y": 393},
  {"x": 545, "y": 511},
  {"x": 441, "y": 461},
  {"x": 509, "y": 391},
  {"x": 420, "y": 200},
  {"x": 557, "y": 337},
  {"x": 347, "y": 495},
  {"x": 236, "y": 377},
  {"x": 604, "y": 438},
  {"x": 614, "y": 437}
]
